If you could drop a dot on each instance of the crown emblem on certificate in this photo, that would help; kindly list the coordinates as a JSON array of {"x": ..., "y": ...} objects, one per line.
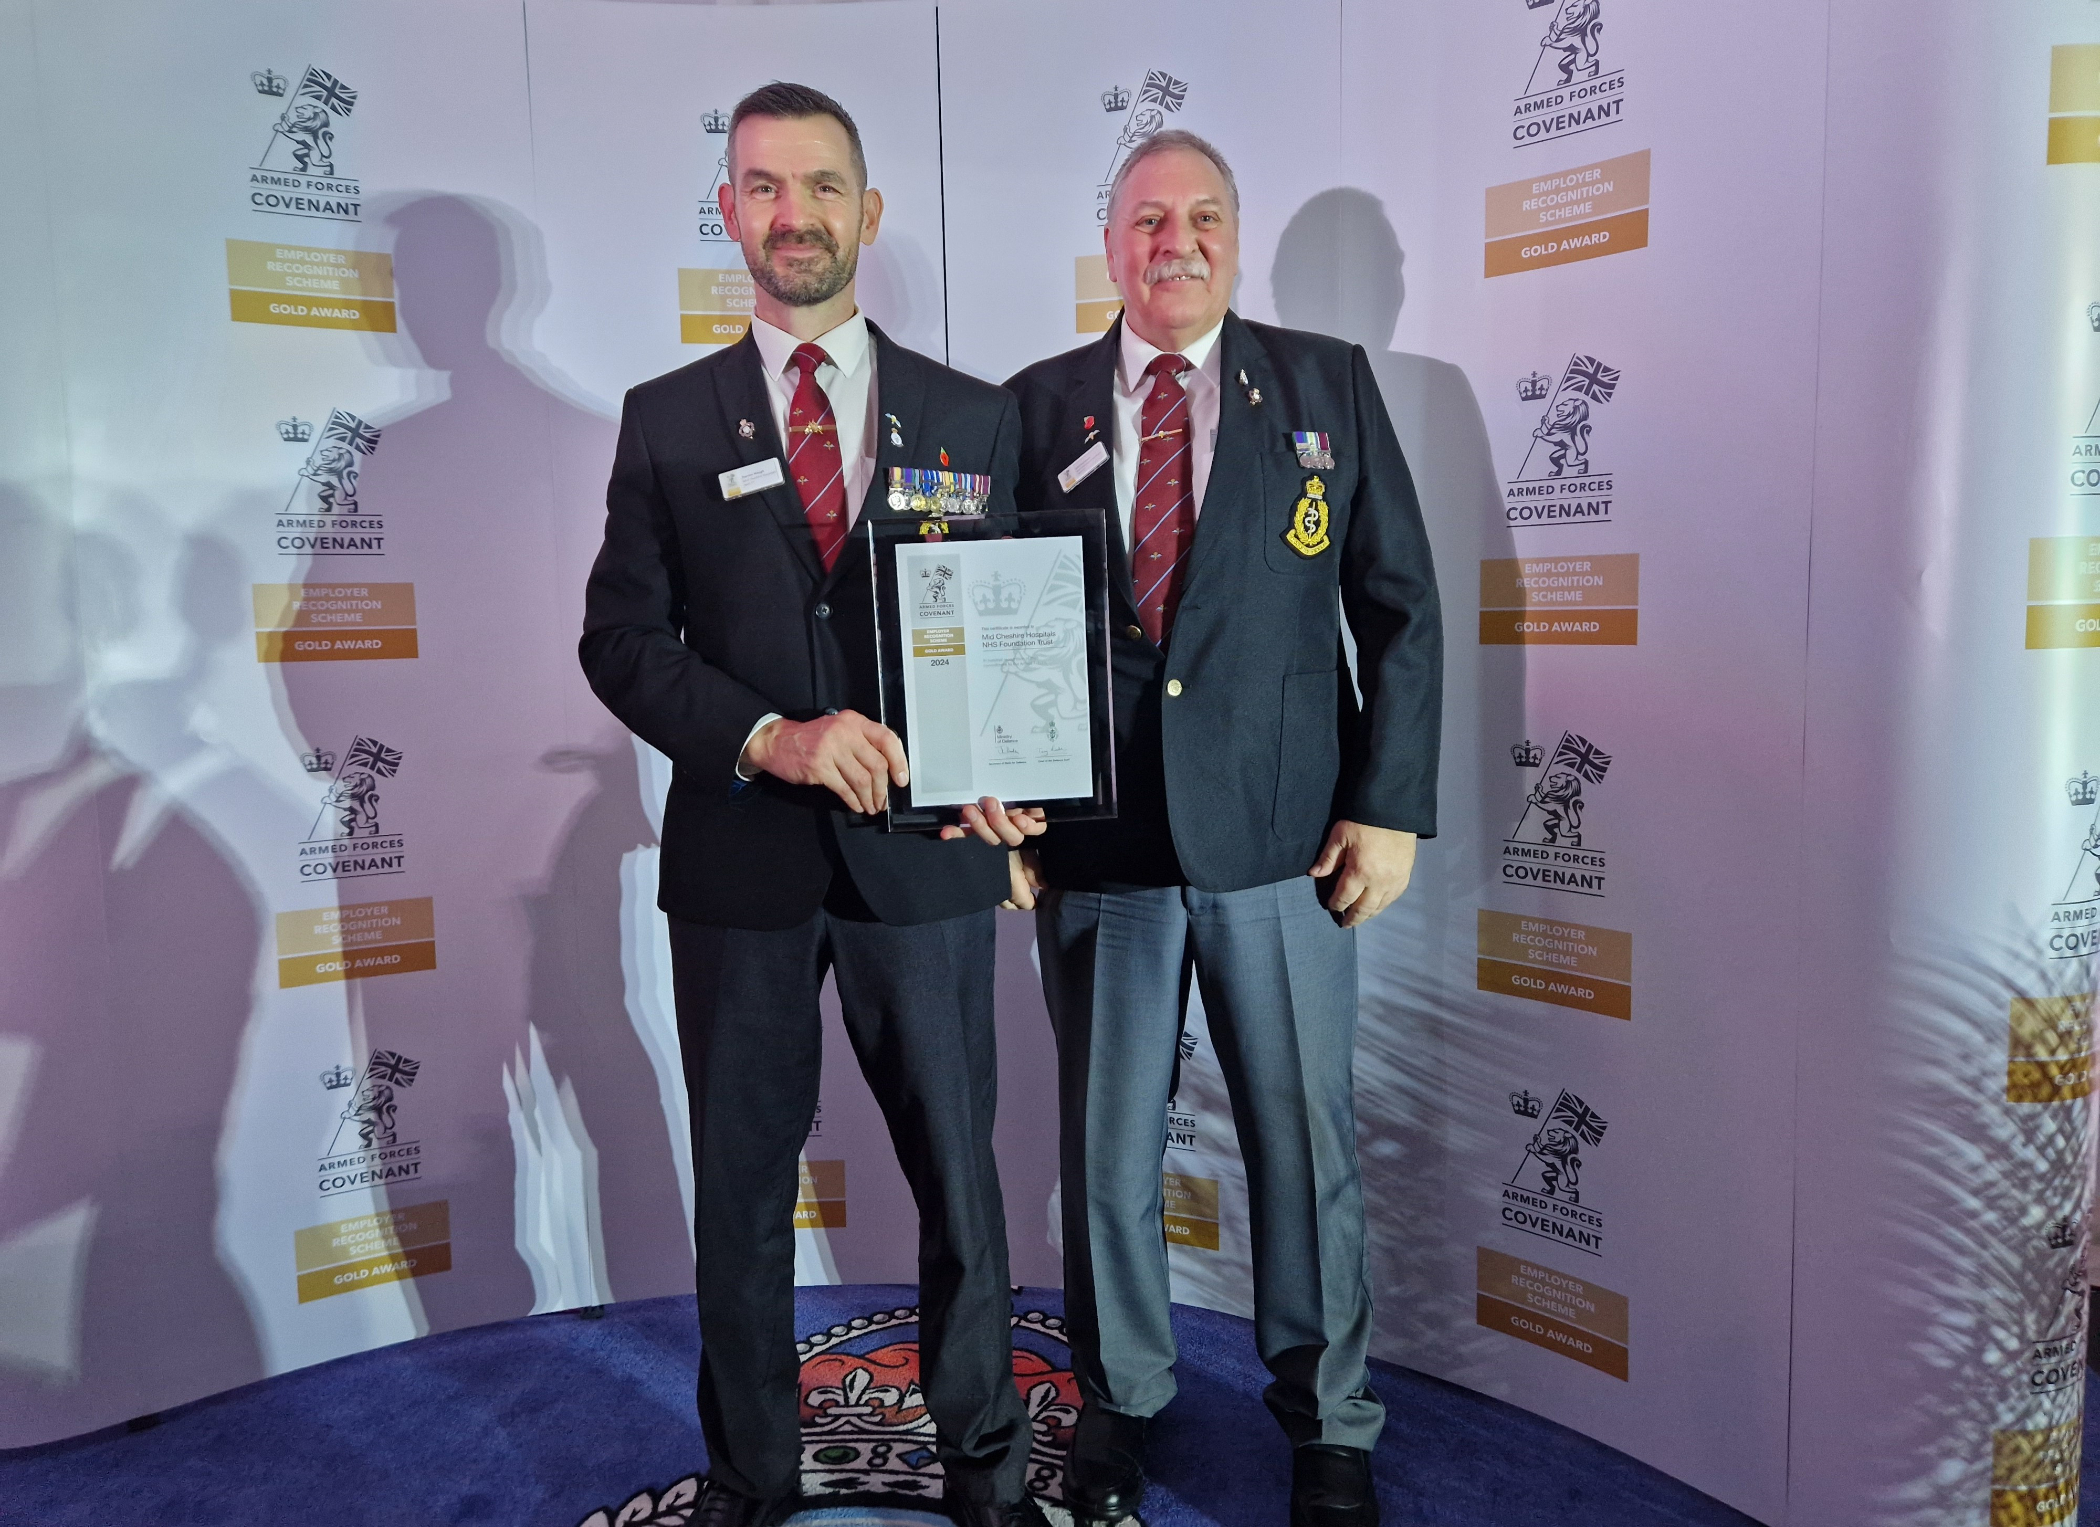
[
  {"x": 1115, "y": 98},
  {"x": 1526, "y": 754},
  {"x": 1534, "y": 387},
  {"x": 295, "y": 430},
  {"x": 998, "y": 596},
  {"x": 939, "y": 495},
  {"x": 337, "y": 1077},
  {"x": 1524, "y": 1105},
  {"x": 269, "y": 82},
  {"x": 1314, "y": 453},
  {"x": 1308, "y": 533},
  {"x": 2084, "y": 790},
  {"x": 716, "y": 121}
]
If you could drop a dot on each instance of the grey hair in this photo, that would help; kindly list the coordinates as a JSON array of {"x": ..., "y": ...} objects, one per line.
[{"x": 1164, "y": 141}]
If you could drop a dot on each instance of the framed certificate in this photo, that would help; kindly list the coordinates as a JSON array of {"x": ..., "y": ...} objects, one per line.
[{"x": 992, "y": 646}]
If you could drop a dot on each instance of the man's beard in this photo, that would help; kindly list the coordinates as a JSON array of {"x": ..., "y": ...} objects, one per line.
[{"x": 809, "y": 283}]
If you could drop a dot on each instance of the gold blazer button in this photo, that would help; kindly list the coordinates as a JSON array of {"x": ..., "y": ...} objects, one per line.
[{"x": 1173, "y": 686}]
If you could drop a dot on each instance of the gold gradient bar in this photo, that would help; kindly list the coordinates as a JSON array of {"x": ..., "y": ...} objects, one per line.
[
  {"x": 364, "y": 313},
  {"x": 1564, "y": 246},
  {"x": 1584, "y": 193}
]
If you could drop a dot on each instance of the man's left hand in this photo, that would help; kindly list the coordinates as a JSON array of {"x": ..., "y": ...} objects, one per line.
[
  {"x": 996, "y": 825},
  {"x": 1370, "y": 866}
]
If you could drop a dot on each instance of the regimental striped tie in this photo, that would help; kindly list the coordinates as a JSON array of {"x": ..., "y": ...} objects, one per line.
[
  {"x": 813, "y": 456},
  {"x": 1163, "y": 511}
]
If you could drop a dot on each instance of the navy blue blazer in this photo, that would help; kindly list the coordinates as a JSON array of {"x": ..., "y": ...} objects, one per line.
[
  {"x": 1241, "y": 742},
  {"x": 702, "y": 614}
]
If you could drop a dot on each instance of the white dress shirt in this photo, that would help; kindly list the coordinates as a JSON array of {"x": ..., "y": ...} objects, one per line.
[
  {"x": 848, "y": 382},
  {"x": 1133, "y": 387}
]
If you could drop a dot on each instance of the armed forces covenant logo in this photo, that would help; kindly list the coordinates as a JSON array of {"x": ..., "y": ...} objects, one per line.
[
  {"x": 1569, "y": 91},
  {"x": 1543, "y": 1196},
  {"x": 366, "y": 1149},
  {"x": 2074, "y": 917},
  {"x": 1557, "y": 483},
  {"x": 2055, "y": 1272},
  {"x": 296, "y": 174},
  {"x": 348, "y": 839},
  {"x": 1550, "y": 846},
  {"x": 322, "y": 516},
  {"x": 1160, "y": 97}
]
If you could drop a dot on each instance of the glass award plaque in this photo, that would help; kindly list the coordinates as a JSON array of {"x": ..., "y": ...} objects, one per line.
[{"x": 991, "y": 638}]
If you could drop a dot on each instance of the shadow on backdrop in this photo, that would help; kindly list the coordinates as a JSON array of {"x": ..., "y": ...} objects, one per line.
[
  {"x": 130, "y": 940},
  {"x": 1340, "y": 270},
  {"x": 570, "y": 1196}
]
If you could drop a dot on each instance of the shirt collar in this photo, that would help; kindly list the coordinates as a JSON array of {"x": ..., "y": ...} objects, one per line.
[
  {"x": 1138, "y": 354},
  {"x": 847, "y": 345}
]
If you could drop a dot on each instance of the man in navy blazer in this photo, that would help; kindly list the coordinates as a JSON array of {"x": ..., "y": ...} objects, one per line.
[
  {"x": 1257, "y": 495},
  {"x": 729, "y": 622}
]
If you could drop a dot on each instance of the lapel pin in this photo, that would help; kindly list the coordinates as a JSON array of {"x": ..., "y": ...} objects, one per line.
[
  {"x": 1253, "y": 393},
  {"x": 747, "y": 429},
  {"x": 896, "y": 430},
  {"x": 944, "y": 456}
]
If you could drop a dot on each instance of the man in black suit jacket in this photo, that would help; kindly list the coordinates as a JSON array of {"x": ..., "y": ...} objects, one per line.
[
  {"x": 1260, "y": 495},
  {"x": 729, "y": 622}
]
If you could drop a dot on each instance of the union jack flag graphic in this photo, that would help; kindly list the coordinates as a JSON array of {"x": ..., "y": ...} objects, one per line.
[
  {"x": 1162, "y": 89},
  {"x": 1578, "y": 1116},
  {"x": 1592, "y": 378},
  {"x": 319, "y": 85},
  {"x": 393, "y": 1069},
  {"x": 371, "y": 753},
  {"x": 348, "y": 429},
  {"x": 1581, "y": 755}
]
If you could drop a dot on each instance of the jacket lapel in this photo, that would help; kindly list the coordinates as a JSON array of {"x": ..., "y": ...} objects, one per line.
[
  {"x": 900, "y": 409},
  {"x": 1091, "y": 394},
  {"x": 900, "y": 396},
  {"x": 740, "y": 387},
  {"x": 1232, "y": 493}
]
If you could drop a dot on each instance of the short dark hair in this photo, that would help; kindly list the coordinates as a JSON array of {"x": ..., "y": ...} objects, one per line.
[{"x": 790, "y": 103}]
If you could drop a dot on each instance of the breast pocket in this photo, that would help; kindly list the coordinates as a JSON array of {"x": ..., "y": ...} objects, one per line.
[{"x": 1306, "y": 514}]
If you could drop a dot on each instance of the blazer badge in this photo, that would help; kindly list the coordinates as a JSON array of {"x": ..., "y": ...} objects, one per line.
[{"x": 1308, "y": 533}]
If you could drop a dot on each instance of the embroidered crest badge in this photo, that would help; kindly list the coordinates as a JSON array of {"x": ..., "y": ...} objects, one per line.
[{"x": 1308, "y": 533}]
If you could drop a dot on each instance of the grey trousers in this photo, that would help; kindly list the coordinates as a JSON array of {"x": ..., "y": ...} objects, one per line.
[{"x": 1279, "y": 987}]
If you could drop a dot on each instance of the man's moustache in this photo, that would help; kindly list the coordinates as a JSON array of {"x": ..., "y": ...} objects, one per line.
[
  {"x": 1170, "y": 270},
  {"x": 802, "y": 238}
]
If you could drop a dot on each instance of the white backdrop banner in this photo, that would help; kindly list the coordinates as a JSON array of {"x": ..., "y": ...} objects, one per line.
[{"x": 338, "y": 1007}]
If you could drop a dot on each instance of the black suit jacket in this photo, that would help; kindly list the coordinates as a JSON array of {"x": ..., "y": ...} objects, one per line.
[
  {"x": 703, "y": 614},
  {"x": 1234, "y": 781}
]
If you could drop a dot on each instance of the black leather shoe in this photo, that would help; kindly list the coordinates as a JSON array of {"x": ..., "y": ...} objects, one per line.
[
  {"x": 720, "y": 1506},
  {"x": 1024, "y": 1512},
  {"x": 1331, "y": 1487},
  {"x": 1105, "y": 1471}
]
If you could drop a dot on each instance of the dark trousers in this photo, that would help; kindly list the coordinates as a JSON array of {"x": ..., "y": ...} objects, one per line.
[{"x": 918, "y": 1008}]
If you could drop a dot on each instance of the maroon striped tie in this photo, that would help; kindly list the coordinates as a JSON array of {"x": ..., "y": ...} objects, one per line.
[
  {"x": 813, "y": 456},
  {"x": 1163, "y": 511}
]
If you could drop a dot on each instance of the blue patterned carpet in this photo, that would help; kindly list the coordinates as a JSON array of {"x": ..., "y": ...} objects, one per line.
[{"x": 545, "y": 1422}]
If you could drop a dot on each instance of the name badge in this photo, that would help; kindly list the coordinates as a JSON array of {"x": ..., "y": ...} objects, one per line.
[
  {"x": 1090, "y": 461},
  {"x": 760, "y": 474}
]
